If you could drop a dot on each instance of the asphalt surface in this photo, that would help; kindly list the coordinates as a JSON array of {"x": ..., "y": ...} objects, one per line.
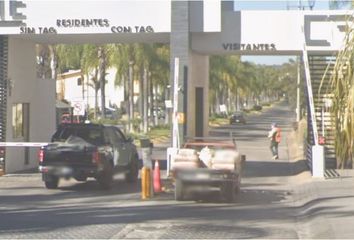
[{"x": 274, "y": 203}]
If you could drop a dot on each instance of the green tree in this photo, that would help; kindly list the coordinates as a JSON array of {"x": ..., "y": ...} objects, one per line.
[{"x": 342, "y": 110}]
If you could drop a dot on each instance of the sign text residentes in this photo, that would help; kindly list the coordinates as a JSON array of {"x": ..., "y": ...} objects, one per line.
[
  {"x": 249, "y": 46},
  {"x": 85, "y": 23}
]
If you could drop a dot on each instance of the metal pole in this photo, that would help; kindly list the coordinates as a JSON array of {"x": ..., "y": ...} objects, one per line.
[
  {"x": 309, "y": 88},
  {"x": 298, "y": 92},
  {"x": 175, "y": 133}
]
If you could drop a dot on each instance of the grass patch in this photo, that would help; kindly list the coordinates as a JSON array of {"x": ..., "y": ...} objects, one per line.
[
  {"x": 218, "y": 121},
  {"x": 155, "y": 134},
  {"x": 159, "y": 132}
]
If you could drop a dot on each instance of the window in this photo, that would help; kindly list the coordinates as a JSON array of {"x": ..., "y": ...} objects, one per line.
[
  {"x": 20, "y": 120},
  {"x": 119, "y": 135},
  {"x": 20, "y": 125},
  {"x": 17, "y": 120},
  {"x": 79, "y": 82}
]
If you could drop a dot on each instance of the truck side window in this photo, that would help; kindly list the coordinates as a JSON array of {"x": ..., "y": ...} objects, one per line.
[
  {"x": 113, "y": 138},
  {"x": 106, "y": 136},
  {"x": 63, "y": 133},
  {"x": 119, "y": 135}
]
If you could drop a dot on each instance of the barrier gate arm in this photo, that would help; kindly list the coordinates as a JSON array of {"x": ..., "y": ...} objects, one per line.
[{"x": 23, "y": 144}]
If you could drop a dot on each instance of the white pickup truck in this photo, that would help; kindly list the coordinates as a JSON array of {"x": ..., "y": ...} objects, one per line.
[{"x": 205, "y": 163}]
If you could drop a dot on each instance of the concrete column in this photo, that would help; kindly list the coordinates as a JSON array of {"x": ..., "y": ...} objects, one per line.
[
  {"x": 179, "y": 48},
  {"x": 198, "y": 78},
  {"x": 193, "y": 73}
]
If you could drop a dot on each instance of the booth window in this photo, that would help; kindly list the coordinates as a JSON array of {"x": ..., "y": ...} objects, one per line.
[{"x": 20, "y": 120}]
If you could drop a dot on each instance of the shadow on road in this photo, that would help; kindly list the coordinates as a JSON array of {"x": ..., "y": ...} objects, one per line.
[{"x": 274, "y": 169}]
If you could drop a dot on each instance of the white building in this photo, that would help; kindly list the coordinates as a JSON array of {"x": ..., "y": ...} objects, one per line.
[{"x": 73, "y": 86}]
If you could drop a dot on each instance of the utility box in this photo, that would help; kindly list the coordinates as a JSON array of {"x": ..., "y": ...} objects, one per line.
[{"x": 146, "y": 152}]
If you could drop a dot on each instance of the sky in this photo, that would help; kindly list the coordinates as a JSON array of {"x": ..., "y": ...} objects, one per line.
[
  {"x": 279, "y": 4},
  {"x": 276, "y": 5}
]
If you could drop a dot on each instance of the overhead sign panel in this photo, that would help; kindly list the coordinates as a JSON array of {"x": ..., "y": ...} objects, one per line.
[
  {"x": 84, "y": 17},
  {"x": 275, "y": 32}
]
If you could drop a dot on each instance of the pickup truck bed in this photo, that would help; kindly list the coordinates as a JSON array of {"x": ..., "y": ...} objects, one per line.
[{"x": 218, "y": 165}]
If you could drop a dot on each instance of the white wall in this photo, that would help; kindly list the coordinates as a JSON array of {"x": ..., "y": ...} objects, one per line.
[
  {"x": 39, "y": 93},
  {"x": 109, "y": 13}
]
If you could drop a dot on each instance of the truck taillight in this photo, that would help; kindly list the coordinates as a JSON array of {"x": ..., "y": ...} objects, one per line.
[
  {"x": 96, "y": 157},
  {"x": 41, "y": 155}
]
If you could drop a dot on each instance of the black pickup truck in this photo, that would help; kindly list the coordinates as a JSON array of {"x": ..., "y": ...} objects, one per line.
[{"x": 88, "y": 150}]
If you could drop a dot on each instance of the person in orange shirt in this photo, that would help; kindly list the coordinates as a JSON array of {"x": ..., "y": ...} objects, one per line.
[{"x": 274, "y": 136}]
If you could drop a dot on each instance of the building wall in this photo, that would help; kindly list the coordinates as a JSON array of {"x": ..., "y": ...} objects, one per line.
[{"x": 38, "y": 93}]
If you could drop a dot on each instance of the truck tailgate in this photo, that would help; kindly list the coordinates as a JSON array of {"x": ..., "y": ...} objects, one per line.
[{"x": 68, "y": 155}]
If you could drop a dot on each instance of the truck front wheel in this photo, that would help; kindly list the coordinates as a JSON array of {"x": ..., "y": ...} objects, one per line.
[{"x": 51, "y": 182}]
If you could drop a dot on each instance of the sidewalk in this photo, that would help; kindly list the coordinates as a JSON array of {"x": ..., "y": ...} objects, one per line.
[{"x": 325, "y": 208}]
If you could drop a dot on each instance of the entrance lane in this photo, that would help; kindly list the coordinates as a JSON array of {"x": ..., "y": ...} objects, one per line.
[{"x": 82, "y": 210}]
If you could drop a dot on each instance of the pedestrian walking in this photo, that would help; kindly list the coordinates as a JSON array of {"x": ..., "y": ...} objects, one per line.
[{"x": 274, "y": 136}]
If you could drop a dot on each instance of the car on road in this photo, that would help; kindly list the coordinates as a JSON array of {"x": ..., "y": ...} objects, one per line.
[
  {"x": 81, "y": 151},
  {"x": 238, "y": 117}
]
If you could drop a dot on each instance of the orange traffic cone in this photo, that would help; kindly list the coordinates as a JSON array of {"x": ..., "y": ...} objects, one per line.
[{"x": 157, "y": 178}]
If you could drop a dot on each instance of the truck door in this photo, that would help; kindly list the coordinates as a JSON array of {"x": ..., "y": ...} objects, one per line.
[
  {"x": 120, "y": 149},
  {"x": 124, "y": 148}
]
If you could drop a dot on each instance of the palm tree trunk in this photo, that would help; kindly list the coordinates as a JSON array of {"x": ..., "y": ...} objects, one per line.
[
  {"x": 141, "y": 97},
  {"x": 102, "y": 80},
  {"x": 131, "y": 96},
  {"x": 53, "y": 62},
  {"x": 237, "y": 100},
  {"x": 217, "y": 102},
  {"x": 87, "y": 96},
  {"x": 156, "y": 117},
  {"x": 151, "y": 90},
  {"x": 167, "y": 115},
  {"x": 96, "y": 103},
  {"x": 145, "y": 105}
]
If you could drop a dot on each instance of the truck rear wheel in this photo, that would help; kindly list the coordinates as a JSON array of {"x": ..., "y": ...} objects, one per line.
[
  {"x": 105, "y": 179},
  {"x": 179, "y": 190},
  {"x": 51, "y": 182},
  {"x": 132, "y": 175}
]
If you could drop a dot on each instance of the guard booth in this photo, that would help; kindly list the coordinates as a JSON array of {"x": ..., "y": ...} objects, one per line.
[{"x": 194, "y": 29}]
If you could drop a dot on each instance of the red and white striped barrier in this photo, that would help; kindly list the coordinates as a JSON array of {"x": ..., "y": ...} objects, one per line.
[{"x": 22, "y": 144}]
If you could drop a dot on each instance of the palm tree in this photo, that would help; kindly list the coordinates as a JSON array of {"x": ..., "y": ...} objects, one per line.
[
  {"x": 150, "y": 63},
  {"x": 342, "y": 110}
]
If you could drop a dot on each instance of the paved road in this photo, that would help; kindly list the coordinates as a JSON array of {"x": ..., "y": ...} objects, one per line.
[{"x": 265, "y": 208}]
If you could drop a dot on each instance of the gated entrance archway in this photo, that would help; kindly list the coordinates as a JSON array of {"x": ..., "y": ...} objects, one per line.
[{"x": 194, "y": 30}]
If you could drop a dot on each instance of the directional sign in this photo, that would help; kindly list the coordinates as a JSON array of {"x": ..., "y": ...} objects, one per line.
[{"x": 79, "y": 108}]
